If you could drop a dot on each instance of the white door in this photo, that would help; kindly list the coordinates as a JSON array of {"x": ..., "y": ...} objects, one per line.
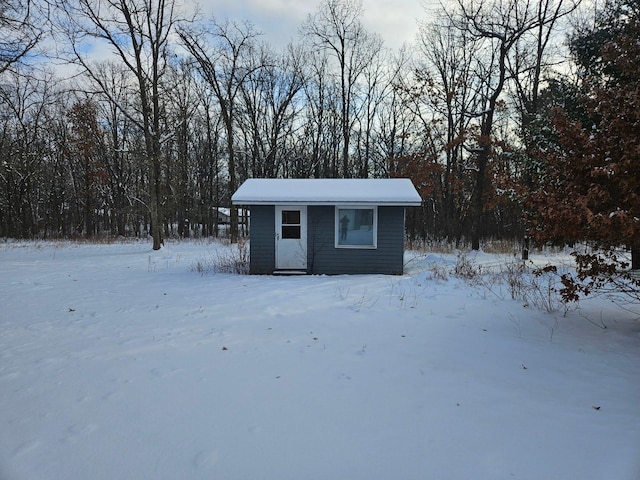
[{"x": 291, "y": 237}]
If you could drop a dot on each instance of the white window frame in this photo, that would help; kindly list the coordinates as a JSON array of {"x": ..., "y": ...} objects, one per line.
[{"x": 336, "y": 223}]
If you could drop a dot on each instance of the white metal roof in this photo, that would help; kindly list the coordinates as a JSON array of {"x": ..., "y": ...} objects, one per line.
[{"x": 327, "y": 191}]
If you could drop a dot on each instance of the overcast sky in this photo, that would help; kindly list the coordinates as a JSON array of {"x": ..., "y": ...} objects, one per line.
[{"x": 279, "y": 20}]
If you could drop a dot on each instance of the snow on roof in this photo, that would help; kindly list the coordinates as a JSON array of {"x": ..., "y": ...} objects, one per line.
[{"x": 327, "y": 191}]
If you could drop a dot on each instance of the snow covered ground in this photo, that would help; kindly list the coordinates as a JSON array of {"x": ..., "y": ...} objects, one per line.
[{"x": 120, "y": 362}]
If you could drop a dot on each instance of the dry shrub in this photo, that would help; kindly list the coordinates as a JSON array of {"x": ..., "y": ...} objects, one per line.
[
  {"x": 231, "y": 259},
  {"x": 438, "y": 271},
  {"x": 465, "y": 268},
  {"x": 539, "y": 288}
]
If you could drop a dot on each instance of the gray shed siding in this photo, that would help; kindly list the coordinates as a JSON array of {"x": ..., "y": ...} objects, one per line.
[
  {"x": 324, "y": 258},
  {"x": 262, "y": 252}
]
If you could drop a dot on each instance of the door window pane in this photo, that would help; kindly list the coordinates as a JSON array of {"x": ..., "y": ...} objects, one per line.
[
  {"x": 291, "y": 217},
  {"x": 291, "y": 231}
]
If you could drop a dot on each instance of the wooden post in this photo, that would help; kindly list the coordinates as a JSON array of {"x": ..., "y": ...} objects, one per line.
[{"x": 635, "y": 259}]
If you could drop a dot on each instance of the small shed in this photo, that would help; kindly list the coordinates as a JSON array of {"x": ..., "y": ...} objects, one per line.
[{"x": 327, "y": 226}]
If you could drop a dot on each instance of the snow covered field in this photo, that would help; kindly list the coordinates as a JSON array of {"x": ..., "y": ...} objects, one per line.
[{"x": 117, "y": 362}]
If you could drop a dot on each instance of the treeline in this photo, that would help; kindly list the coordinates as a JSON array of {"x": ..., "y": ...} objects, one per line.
[{"x": 155, "y": 140}]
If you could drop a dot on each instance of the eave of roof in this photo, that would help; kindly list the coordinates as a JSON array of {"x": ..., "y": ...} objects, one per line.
[{"x": 384, "y": 192}]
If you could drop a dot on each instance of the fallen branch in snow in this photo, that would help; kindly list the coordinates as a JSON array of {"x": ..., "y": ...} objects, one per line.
[{"x": 601, "y": 324}]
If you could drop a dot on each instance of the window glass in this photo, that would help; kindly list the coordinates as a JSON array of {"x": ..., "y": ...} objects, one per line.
[
  {"x": 355, "y": 227},
  {"x": 291, "y": 217},
  {"x": 291, "y": 231}
]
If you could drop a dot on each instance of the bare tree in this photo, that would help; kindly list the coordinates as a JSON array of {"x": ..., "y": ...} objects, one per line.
[
  {"x": 181, "y": 109},
  {"x": 499, "y": 26},
  {"x": 337, "y": 29},
  {"x": 534, "y": 55},
  {"x": 120, "y": 144},
  {"x": 224, "y": 54},
  {"x": 448, "y": 96},
  {"x": 138, "y": 32},
  {"x": 269, "y": 112},
  {"x": 321, "y": 133},
  {"x": 378, "y": 77},
  {"x": 25, "y": 103},
  {"x": 395, "y": 122},
  {"x": 208, "y": 134},
  {"x": 18, "y": 32}
]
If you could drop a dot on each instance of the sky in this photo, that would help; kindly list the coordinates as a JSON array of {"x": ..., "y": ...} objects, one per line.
[
  {"x": 395, "y": 20},
  {"x": 279, "y": 21}
]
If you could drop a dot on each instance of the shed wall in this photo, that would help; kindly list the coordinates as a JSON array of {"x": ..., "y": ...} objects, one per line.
[
  {"x": 324, "y": 258},
  {"x": 262, "y": 253}
]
